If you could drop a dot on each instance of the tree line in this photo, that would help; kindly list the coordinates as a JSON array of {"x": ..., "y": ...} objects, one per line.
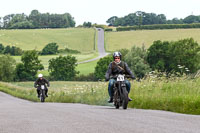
[
  {"x": 36, "y": 20},
  {"x": 49, "y": 49},
  {"x": 142, "y": 18},
  {"x": 169, "y": 58}
]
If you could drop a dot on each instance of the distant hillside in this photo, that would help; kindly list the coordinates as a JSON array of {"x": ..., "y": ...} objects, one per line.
[
  {"x": 81, "y": 39},
  {"x": 127, "y": 39}
]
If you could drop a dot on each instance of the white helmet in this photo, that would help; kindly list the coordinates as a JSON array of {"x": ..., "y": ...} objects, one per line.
[{"x": 40, "y": 75}]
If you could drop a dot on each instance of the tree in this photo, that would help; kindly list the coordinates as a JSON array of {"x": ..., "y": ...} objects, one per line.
[
  {"x": 159, "y": 56},
  {"x": 7, "y": 50},
  {"x": 34, "y": 17},
  {"x": 123, "y": 51},
  {"x": 186, "y": 53},
  {"x": 29, "y": 67},
  {"x": 63, "y": 68},
  {"x": 191, "y": 19},
  {"x": 16, "y": 51},
  {"x": 1, "y": 48},
  {"x": 136, "y": 59},
  {"x": 112, "y": 20},
  {"x": 51, "y": 48},
  {"x": 87, "y": 24},
  {"x": 7, "y": 68},
  {"x": 168, "y": 56},
  {"x": 102, "y": 66}
]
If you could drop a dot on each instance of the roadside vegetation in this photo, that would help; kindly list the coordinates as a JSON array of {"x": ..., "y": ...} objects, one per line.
[{"x": 175, "y": 94}]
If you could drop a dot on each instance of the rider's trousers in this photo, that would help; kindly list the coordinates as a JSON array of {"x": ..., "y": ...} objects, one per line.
[{"x": 111, "y": 84}]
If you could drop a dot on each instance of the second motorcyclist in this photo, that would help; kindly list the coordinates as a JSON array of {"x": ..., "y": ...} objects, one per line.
[{"x": 41, "y": 81}]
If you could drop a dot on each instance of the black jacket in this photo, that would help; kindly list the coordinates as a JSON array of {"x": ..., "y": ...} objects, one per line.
[
  {"x": 40, "y": 82},
  {"x": 121, "y": 68}
]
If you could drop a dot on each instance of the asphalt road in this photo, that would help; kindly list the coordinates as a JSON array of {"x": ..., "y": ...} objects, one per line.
[
  {"x": 21, "y": 116},
  {"x": 100, "y": 46}
]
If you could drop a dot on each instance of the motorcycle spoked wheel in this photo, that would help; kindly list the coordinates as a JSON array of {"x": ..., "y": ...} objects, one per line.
[
  {"x": 125, "y": 98},
  {"x": 42, "y": 96},
  {"x": 116, "y": 99}
]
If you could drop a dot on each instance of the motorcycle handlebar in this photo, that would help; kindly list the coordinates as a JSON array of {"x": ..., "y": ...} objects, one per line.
[{"x": 115, "y": 76}]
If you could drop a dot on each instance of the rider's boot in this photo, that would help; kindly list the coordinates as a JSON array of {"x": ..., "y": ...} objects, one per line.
[
  {"x": 38, "y": 93},
  {"x": 110, "y": 100},
  {"x": 46, "y": 93}
]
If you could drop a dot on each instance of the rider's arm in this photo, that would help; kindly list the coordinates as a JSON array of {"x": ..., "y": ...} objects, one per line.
[
  {"x": 108, "y": 72},
  {"x": 35, "y": 84},
  {"x": 47, "y": 82},
  {"x": 128, "y": 70}
]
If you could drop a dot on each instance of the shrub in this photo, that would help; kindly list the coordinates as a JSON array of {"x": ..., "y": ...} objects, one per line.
[
  {"x": 63, "y": 68},
  {"x": 49, "y": 49},
  {"x": 136, "y": 59},
  {"x": 102, "y": 66},
  {"x": 7, "y": 68},
  {"x": 27, "y": 70}
]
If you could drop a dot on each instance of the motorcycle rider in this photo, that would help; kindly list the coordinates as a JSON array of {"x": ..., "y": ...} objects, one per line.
[
  {"x": 41, "y": 81},
  {"x": 114, "y": 68}
]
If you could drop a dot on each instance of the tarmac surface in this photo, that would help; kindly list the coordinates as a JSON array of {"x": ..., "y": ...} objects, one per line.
[{"x": 21, "y": 116}]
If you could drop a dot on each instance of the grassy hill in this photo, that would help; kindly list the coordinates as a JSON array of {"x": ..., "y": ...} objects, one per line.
[
  {"x": 81, "y": 39},
  {"x": 127, "y": 39}
]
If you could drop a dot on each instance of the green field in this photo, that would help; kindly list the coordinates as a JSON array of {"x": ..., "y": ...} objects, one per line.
[
  {"x": 81, "y": 39},
  {"x": 44, "y": 59},
  {"x": 127, "y": 39},
  {"x": 84, "y": 68}
]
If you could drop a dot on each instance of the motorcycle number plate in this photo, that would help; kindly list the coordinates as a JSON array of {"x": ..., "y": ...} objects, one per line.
[
  {"x": 120, "y": 78},
  {"x": 42, "y": 87}
]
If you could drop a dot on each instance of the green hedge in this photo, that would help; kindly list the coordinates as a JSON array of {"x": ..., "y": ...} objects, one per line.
[{"x": 159, "y": 26}]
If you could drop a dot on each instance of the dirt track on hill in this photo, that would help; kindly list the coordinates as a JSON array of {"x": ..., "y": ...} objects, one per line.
[{"x": 21, "y": 116}]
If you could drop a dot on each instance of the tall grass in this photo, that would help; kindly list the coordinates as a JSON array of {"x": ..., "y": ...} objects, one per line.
[
  {"x": 179, "y": 95},
  {"x": 176, "y": 95}
]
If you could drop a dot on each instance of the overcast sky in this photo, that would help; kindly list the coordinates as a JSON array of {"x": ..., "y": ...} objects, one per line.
[{"x": 99, "y": 11}]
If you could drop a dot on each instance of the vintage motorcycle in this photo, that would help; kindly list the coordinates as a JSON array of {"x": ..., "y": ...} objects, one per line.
[
  {"x": 42, "y": 93},
  {"x": 120, "y": 97}
]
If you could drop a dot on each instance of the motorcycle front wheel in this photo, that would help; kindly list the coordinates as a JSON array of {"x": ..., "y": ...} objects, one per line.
[
  {"x": 125, "y": 98},
  {"x": 42, "y": 96}
]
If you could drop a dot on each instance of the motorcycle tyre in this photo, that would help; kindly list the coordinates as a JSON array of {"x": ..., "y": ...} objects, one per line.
[
  {"x": 42, "y": 96},
  {"x": 125, "y": 98}
]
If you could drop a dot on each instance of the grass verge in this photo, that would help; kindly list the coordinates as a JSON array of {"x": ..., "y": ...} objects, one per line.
[{"x": 177, "y": 95}]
